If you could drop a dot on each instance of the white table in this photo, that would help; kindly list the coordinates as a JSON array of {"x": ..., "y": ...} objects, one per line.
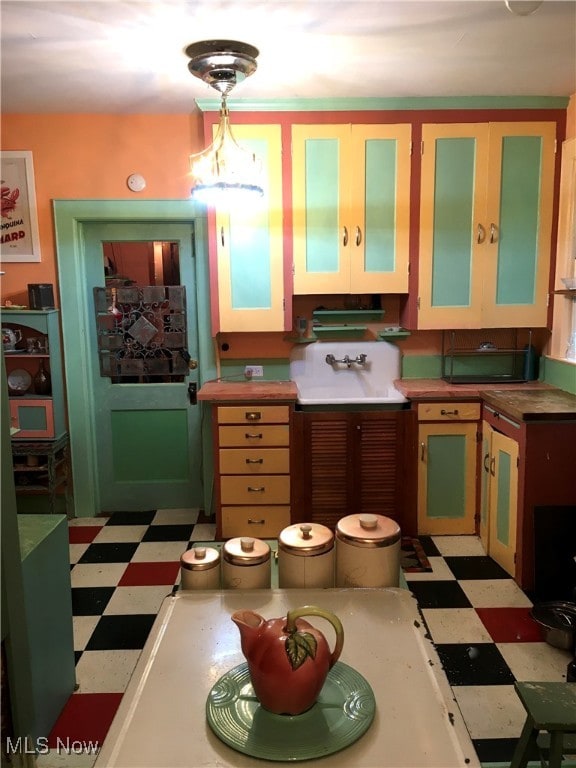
[{"x": 161, "y": 722}]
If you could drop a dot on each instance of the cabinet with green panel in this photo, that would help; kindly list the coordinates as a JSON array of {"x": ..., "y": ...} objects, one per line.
[
  {"x": 34, "y": 370},
  {"x": 447, "y": 467},
  {"x": 498, "y": 521},
  {"x": 249, "y": 270},
  {"x": 351, "y": 208},
  {"x": 485, "y": 224}
]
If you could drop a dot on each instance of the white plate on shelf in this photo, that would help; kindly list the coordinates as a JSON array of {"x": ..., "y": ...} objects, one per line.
[{"x": 19, "y": 381}]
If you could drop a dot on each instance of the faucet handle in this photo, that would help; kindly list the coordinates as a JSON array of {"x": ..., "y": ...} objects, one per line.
[{"x": 330, "y": 359}]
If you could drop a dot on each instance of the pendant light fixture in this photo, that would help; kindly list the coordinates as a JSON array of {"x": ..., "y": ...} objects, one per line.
[{"x": 225, "y": 170}]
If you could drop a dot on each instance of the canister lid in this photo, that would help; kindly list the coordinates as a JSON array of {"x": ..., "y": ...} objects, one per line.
[
  {"x": 364, "y": 530},
  {"x": 306, "y": 539},
  {"x": 245, "y": 550},
  {"x": 200, "y": 559}
]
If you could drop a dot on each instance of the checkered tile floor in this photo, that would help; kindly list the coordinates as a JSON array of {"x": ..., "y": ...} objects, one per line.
[{"x": 122, "y": 568}]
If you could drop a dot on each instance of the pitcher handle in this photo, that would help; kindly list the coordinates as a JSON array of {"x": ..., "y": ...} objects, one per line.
[{"x": 313, "y": 610}]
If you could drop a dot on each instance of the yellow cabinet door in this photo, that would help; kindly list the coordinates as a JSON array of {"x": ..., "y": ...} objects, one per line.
[
  {"x": 351, "y": 200},
  {"x": 485, "y": 224},
  {"x": 503, "y": 501},
  {"x": 249, "y": 245},
  {"x": 447, "y": 478}
]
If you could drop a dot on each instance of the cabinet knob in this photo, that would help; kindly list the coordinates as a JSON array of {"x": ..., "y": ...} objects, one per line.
[
  {"x": 422, "y": 451},
  {"x": 493, "y": 233},
  {"x": 344, "y": 235},
  {"x": 358, "y": 235},
  {"x": 481, "y": 234}
]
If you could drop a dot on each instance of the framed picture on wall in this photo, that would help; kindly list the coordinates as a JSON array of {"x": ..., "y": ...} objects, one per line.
[{"x": 19, "y": 240}]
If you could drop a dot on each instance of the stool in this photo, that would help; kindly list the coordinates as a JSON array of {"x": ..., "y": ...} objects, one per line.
[{"x": 550, "y": 707}]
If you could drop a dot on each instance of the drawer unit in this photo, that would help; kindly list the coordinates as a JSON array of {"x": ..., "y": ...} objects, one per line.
[
  {"x": 263, "y": 522},
  {"x": 253, "y": 460},
  {"x": 450, "y": 411},
  {"x": 253, "y": 435},
  {"x": 250, "y": 414},
  {"x": 266, "y": 489}
]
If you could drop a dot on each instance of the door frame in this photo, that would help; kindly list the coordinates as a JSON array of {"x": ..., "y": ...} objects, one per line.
[{"x": 69, "y": 216}]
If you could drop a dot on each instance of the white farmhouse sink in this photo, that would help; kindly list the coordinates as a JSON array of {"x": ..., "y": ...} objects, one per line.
[{"x": 340, "y": 383}]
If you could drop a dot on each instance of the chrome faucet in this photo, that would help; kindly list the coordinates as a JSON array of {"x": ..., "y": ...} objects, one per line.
[{"x": 360, "y": 360}]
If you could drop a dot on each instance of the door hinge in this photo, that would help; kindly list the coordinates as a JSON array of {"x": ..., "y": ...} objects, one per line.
[
  {"x": 411, "y": 147},
  {"x": 514, "y": 558},
  {"x": 547, "y": 299},
  {"x": 418, "y": 303},
  {"x": 555, "y": 146},
  {"x": 517, "y": 461},
  {"x": 421, "y": 147},
  {"x": 478, "y": 436},
  {"x": 409, "y": 265}
]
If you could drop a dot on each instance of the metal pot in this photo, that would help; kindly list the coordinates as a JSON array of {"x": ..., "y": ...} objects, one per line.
[{"x": 558, "y": 623}]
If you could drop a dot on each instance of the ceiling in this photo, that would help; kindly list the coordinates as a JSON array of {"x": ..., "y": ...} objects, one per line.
[{"x": 128, "y": 57}]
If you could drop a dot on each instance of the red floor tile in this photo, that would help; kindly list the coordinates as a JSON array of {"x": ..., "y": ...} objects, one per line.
[
  {"x": 83, "y": 534},
  {"x": 510, "y": 625},
  {"x": 148, "y": 574},
  {"x": 85, "y": 718}
]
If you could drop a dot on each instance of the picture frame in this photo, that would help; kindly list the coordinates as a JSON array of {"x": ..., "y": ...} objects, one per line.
[{"x": 19, "y": 237}]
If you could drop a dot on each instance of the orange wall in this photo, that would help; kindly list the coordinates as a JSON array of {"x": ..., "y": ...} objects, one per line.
[{"x": 82, "y": 156}]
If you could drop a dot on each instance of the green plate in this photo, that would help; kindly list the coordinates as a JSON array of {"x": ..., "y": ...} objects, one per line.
[{"x": 344, "y": 712}]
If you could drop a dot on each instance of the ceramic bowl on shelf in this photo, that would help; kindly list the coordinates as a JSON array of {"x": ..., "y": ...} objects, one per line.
[{"x": 19, "y": 382}]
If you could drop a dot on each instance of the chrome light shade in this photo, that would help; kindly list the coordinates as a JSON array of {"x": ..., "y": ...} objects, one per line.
[{"x": 224, "y": 170}]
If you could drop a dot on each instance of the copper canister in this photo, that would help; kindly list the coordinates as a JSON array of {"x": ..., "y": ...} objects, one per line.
[
  {"x": 367, "y": 551},
  {"x": 306, "y": 556},
  {"x": 246, "y": 564},
  {"x": 200, "y": 568}
]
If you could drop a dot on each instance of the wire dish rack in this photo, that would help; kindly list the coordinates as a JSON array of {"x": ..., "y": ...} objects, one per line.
[{"x": 488, "y": 356}]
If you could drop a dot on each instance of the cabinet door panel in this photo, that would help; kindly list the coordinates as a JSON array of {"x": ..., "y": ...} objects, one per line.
[
  {"x": 380, "y": 211},
  {"x": 503, "y": 501},
  {"x": 447, "y": 478},
  {"x": 452, "y": 210},
  {"x": 519, "y": 218},
  {"x": 249, "y": 242},
  {"x": 319, "y": 176}
]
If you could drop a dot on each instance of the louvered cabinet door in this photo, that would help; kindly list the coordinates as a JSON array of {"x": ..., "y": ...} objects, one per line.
[{"x": 350, "y": 464}]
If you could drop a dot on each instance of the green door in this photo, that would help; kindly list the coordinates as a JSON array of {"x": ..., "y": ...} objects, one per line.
[{"x": 147, "y": 432}]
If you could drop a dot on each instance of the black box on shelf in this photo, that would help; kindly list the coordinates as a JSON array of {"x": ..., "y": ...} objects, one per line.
[{"x": 41, "y": 296}]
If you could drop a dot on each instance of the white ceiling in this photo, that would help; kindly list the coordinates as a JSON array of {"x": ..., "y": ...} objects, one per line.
[{"x": 128, "y": 56}]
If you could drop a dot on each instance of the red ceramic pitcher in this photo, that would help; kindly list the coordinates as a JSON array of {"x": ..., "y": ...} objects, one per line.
[{"x": 288, "y": 658}]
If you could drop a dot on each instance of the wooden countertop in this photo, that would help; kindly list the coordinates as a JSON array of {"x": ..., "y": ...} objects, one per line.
[
  {"x": 239, "y": 391},
  {"x": 433, "y": 389},
  {"x": 530, "y": 405}
]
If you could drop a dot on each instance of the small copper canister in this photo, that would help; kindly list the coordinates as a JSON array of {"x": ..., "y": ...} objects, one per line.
[
  {"x": 306, "y": 556},
  {"x": 200, "y": 568},
  {"x": 246, "y": 564},
  {"x": 367, "y": 551}
]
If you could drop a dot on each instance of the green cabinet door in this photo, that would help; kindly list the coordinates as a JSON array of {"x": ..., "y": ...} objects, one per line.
[
  {"x": 248, "y": 269},
  {"x": 447, "y": 478},
  {"x": 503, "y": 502},
  {"x": 485, "y": 224},
  {"x": 351, "y": 191}
]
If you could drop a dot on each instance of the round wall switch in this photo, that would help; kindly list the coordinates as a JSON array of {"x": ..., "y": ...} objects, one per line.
[{"x": 136, "y": 182}]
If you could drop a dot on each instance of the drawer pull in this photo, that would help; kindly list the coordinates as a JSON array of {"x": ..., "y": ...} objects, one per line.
[
  {"x": 493, "y": 467},
  {"x": 486, "y": 467},
  {"x": 260, "y": 489},
  {"x": 254, "y": 461},
  {"x": 257, "y": 435},
  {"x": 256, "y": 522},
  {"x": 444, "y": 412},
  {"x": 422, "y": 451},
  {"x": 253, "y": 416}
]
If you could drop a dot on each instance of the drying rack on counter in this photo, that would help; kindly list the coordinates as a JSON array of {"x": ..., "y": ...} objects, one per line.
[{"x": 494, "y": 355}]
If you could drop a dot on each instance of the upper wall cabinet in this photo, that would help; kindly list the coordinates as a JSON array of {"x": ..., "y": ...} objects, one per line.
[
  {"x": 351, "y": 200},
  {"x": 485, "y": 224},
  {"x": 249, "y": 245}
]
